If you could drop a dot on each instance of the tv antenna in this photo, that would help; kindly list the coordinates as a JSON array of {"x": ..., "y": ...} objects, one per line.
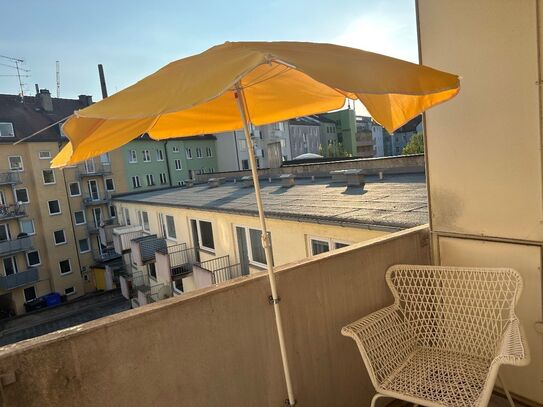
[
  {"x": 17, "y": 62},
  {"x": 58, "y": 79}
]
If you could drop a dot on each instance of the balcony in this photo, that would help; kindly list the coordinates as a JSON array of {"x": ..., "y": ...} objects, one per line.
[
  {"x": 9, "y": 177},
  {"x": 123, "y": 235},
  {"x": 12, "y": 211},
  {"x": 106, "y": 254},
  {"x": 88, "y": 170},
  {"x": 21, "y": 244},
  {"x": 19, "y": 279},
  {"x": 143, "y": 249},
  {"x": 106, "y": 231},
  {"x": 100, "y": 200},
  {"x": 319, "y": 295},
  {"x": 157, "y": 292},
  {"x": 173, "y": 262},
  {"x": 219, "y": 269}
]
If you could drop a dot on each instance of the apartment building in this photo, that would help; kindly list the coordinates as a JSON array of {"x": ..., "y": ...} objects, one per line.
[
  {"x": 305, "y": 136},
  {"x": 176, "y": 240},
  {"x": 364, "y": 139},
  {"x": 346, "y": 128}
]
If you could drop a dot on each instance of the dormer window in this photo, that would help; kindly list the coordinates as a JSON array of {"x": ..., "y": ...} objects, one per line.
[{"x": 6, "y": 130}]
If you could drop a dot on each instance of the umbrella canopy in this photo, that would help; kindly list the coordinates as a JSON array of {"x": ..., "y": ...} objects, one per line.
[{"x": 280, "y": 80}]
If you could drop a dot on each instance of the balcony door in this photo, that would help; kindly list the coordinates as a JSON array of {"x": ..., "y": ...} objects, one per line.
[
  {"x": 93, "y": 190},
  {"x": 243, "y": 250},
  {"x": 4, "y": 232},
  {"x": 90, "y": 167},
  {"x": 97, "y": 216},
  {"x": 10, "y": 266},
  {"x": 3, "y": 201}
]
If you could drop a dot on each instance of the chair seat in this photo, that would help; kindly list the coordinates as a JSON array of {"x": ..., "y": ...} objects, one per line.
[{"x": 441, "y": 377}]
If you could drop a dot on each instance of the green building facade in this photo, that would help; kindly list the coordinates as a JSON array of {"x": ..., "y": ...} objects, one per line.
[{"x": 346, "y": 128}]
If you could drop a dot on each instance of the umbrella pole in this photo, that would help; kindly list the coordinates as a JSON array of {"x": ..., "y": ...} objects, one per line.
[{"x": 240, "y": 97}]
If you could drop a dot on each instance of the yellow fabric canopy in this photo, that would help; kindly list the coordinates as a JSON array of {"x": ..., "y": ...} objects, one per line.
[{"x": 280, "y": 80}]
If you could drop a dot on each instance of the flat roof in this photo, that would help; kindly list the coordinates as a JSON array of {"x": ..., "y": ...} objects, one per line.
[{"x": 396, "y": 202}]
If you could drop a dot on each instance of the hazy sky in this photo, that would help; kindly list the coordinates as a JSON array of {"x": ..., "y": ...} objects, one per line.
[{"x": 133, "y": 38}]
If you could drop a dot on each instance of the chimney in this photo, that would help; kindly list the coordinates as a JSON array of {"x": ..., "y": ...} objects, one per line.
[
  {"x": 85, "y": 100},
  {"x": 46, "y": 103},
  {"x": 37, "y": 89}
]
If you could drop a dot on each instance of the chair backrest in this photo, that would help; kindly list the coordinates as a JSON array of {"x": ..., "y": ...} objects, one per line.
[{"x": 455, "y": 308}]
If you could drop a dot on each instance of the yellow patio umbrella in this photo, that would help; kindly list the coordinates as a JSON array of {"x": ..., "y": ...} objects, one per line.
[{"x": 236, "y": 84}]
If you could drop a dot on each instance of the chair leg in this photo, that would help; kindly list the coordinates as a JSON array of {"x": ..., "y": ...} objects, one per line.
[
  {"x": 507, "y": 394},
  {"x": 374, "y": 399}
]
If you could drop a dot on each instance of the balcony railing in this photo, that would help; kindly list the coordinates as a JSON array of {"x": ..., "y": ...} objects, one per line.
[
  {"x": 87, "y": 170},
  {"x": 221, "y": 270},
  {"x": 319, "y": 295},
  {"x": 157, "y": 292},
  {"x": 143, "y": 249},
  {"x": 107, "y": 254},
  {"x": 176, "y": 261},
  {"x": 9, "y": 177},
  {"x": 20, "y": 244},
  {"x": 89, "y": 200},
  {"x": 12, "y": 211},
  {"x": 123, "y": 235},
  {"x": 19, "y": 279},
  {"x": 106, "y": 231}
]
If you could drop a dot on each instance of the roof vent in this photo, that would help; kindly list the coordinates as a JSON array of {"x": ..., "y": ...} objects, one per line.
[
  {"x": 46, "y": 102},
  {"x": 215, "y": 182},
  {"x": 247, "y": 181},
  {"x": 287, "y": 180},
  {"x": 189, "y": 183},
  {"x": 338, "y": 175},
  {"x": 354, "y": 178}
]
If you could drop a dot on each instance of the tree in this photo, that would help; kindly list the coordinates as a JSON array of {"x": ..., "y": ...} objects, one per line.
[{"x": 415, "y": 145}]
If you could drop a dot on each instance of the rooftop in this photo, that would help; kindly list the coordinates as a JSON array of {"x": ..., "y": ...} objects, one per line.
[{"x": 396, "y": 202}]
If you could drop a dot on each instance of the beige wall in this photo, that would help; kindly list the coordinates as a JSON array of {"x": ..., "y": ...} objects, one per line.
[
  {"x": 218, "y": 346},
  {"x": 484, "y": 150},
  {"x": 289, "y": 238}
]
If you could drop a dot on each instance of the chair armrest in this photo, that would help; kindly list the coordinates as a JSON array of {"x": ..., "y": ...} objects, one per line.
[
  {"x": 512, "y": 348},
  {"x": 384, "y": 340}
]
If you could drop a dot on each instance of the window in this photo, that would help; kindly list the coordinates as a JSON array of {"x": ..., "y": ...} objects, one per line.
[
  {"x": 175, "y": 149},
  {"x": 65, "y": 267},
  {"x": 209, "y": 152},
  {"x": 110, "y": 185},
  {"x": 252, "y": 239},
  {"x": 188, "y": 153},
  {"x": 198, "y": 152},
  {"x": 33, "y": 258},
  {"x": 244, "y": 164},
  {"x": 44, "y": 155},
  {"x": 151, "y": 270},
  {"x": 54, "y": 207},
  {"x": 27, "y": 226},
  {"x": 136, "y": 181},
  {"x": 6, "y": 130},
  {"x": 204, "y": 231},
  {"x": 163, "y": 179},
  {"x": 170, "y": 227},
  {"x": 278, "y": 126},
  {"x": 29, "y": 293},
  {"x": 22, "y": 195},
  {"x": 75, "y": 189},
  {"x": 144, "y": 218},
  {"x": 132, "y": 156},
  {"x": 104, "y": 159},
  {"x": 112, "y": 211},
  {"x": 60, "y": 237},
  {"x": 178, "y": 166},
  {"x": 69, "y": 291},
  {"x": 10, "y": 265},
  {"x": 126, "y": 214},
  {"x": 146, "y": 156},
  {"x": 242, "y": 145},
  {"x": 84, "y": 245},
  {"x": 150, "y": 179},
  {"x": 159, "y": 155},
  {"x": 318, "y": 245},
  {"x": 15, "y": 163},
  {"x": 79, "y": 217}
]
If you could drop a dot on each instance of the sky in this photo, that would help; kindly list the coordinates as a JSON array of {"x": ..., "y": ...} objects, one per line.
[{"x": 134, "y": 38}]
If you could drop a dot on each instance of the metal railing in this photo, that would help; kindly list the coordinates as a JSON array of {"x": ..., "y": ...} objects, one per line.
[
  {"x": 89, "y": 200},
  {"x": 159, "y": 292},
  {"x": 12, "y": 211},
  {"x": 123, "y": 235},
  {"x": 107, "y": 254},
  {"x": 148, "y": 246},
  {"x": 84, "y": 170},
  {"x": 9, "y": 177},
  {"x": 138, "y": 280},
  {"x": 181, "y": 259},
  {"x": 221, "y": 270},
  {"x": 19, "y": 279},
  {"x": 15, "y": 245}
]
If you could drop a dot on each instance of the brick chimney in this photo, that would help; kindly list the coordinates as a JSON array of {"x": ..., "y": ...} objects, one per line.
[
  {"x": 85, "y": 100},
  {"x": 44, "y": 97}
]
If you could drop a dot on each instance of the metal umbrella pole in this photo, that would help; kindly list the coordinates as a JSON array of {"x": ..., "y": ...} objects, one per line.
[{"x": 240, "y": 97}]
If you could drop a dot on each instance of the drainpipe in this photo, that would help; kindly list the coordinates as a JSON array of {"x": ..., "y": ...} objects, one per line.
[
  {"x": 168, "y": 162},
  {"x": 237, "y": 152}
]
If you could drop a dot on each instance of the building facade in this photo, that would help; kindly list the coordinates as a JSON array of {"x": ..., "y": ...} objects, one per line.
[{"x": 346, "y": 128}]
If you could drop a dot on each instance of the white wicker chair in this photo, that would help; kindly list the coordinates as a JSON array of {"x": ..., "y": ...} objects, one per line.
[{"x": 443, "y": 340}]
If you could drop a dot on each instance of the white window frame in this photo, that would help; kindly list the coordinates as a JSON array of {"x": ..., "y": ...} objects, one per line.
[
  {"x": 331, "y": 243},
  {"x": 136, "y": 178},
  {"x": 159, "y": 155},
  {"x": 43, "y": 176},
  {"x": 10, "y": 135},
  {"x": 175, "y": 149},
  {"x": 55, "y": 241},
  {"x": 33, "y": 226},
  {"x": 199, "y": 232},
  {"x": 199, "y": 152},
  {"x": 35, "y": 293},
  {"x": 59, "y": 208},
  {"x": 133, "y": 156},
  {"x": 109, "y": 211},
  {"x": 146, "y": 156},
  {"x": 126, "y": 217},
  {"x": 142, "y": 222},
  {"x": 28, "y": 261},
  {"x": 209, "y": 152},
  {"x": 180, "y": 167},
  {"x": 16, "y": 169},
  {"x": 46, "y": 156},
  {"x": 84, "y": 218},
  {"x": 27, "y": 195},
  {"x": 69, "y": 294},
  {"x": 167, "y": 230},
  {"x": 247, "y": 229},
  {"x": 188, "y": 153},
  {"x": 78, "y": 187},
  {"x": 150, "y": 180},
  {"x": 69, "y": 263},
  {"x": 112, "y": 183},
  {"x": 163, "y": 178},
  {"x": 79, "y": 246}
]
